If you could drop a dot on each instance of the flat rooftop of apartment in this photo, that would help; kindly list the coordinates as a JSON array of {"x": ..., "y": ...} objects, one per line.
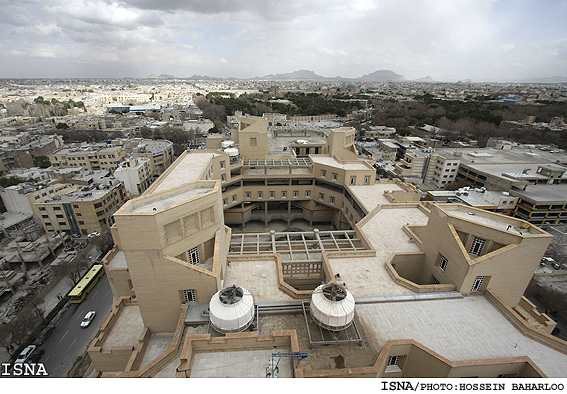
[
  {"x": 346, "y": 165},
  {"x": 543, "y": 194},
  {"x": 497, "y": 156},
  {"x": 189, "y": 168}
]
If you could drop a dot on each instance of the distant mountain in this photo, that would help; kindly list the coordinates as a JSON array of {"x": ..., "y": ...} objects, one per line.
[
  {"x": 425, "y": 79},
  {"x": 381, "y": 76},
  {"x": 201, "y": 77},
  {"x": 161, "y": 76},
  {"x": 299, "y": 74}
]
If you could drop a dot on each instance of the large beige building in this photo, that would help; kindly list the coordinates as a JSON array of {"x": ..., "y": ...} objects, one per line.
[{"x": 435, "y": 289}]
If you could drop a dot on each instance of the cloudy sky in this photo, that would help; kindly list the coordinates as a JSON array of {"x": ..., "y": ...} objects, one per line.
[{"x": 447, "y": 39}]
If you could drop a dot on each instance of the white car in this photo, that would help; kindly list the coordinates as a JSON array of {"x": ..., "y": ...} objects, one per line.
[
  {"x": 25, "y": 354},
  {"x": 92, "y": 235},
  {"x": 88, "y": 319}
]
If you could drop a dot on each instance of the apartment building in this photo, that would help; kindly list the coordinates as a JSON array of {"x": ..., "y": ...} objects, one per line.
[
  {"x": 136, "y": 175},
  {"x": 405, "y": 267},
  {"x": 89, "y": 157},
  {"x": 82, "y": 212}
]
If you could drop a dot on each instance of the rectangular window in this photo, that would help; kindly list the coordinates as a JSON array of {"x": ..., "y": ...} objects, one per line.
[
  {"x": 224, "y": 201},
  {"x": 189, "y": 295},
  {"x": 295, "y": 194},
  {"x": 284, "y": 194},
  {"x": 253, "y": 142},
  {"x": 394, "y": 360},
  {"x": 247, "y": 194},
  {"x": 223, "y": 178},
  {"x": 56, "y": 208},
  {"x": 366, "y": 180},
  {"x": 307, "y": 193},
  {"x": 272, "y": 194},
  {"x": 477, "y": 246},
  {"x": 323, "y": 173},
  {"x": 260, "y": 194},
  {"x": 332, "y": 200},
  {"x": 443, "y": 263},
  {"x": 194, "y": 256},
  {"x": 234, "y": 198},
  {"x": 321, "y": 196},
  {"x": 222, "y": 165},
  {"x": 477, "y": 284},
  {"x": 334, "y": 176}
]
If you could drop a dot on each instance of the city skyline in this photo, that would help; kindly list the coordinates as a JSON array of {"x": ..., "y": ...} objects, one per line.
[{"x": 447, "y": 40}]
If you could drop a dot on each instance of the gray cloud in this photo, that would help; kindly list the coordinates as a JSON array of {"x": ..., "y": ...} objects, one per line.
[{"x": 447, "y": 39}]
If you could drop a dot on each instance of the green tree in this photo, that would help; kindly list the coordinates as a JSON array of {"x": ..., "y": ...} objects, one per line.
[{"x": 41, "y": 161}]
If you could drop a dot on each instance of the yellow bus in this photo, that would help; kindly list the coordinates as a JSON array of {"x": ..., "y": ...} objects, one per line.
[{"x": 86, "y": 284}]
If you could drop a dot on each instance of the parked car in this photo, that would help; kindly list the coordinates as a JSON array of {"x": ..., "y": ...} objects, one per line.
[
  {"x": 25, "y": 354},
  {"x": 92, "y": 235},
  {"x": 88, "y": 319},
  {"x": 43, "y": 335},
  {"x": 35, "y": 356}
]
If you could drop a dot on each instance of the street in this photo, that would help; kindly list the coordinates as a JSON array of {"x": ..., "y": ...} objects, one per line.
[{"x": 69, "y": 340}]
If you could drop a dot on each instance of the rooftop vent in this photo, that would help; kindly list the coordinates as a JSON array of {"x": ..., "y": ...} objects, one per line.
[
  {"x": 231, "y": 309},
  {"x": 332, "y": 307}
]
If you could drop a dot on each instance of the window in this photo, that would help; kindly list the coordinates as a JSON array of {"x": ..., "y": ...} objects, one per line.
[
  {"x": 323, "y": 173},
  {"x": 189, "y": 295},
  {"x": 394, "y": 360},
  {"x": 284, "y": 194},
  {"x": 253, "y": 141},
  {"x": 307, "y": 193},
  {"x": 45, "y": 216},
  {"x": 223, "y": 178},
  {"x": 42, "y": 208},
  {"x": 477, "y": 246},
  {"x": 321, "y": 196},
  {"x": 247, "y": 194},
  {"x": 366, "y": 180},
  {"x": 194, "y": 255},
  {"x": 56, "y": 208},
  {"x": 332, "y": 200},
  {"x": 234, "y": 198},
  {"x": 477, "y": 284},
  {"x": 296, "y": 194},
  {"x": 224, "y": 201},
  {"x": 75, "y": 206},
  {"x": 222, "y": 164},
  {"x": 272, "y": 194},
  {"x": 443, "y": 263},
  {"x": 352, "y": 180},
  {"x": 334, "y": 176},
  {"x": 260, "y": 194}
]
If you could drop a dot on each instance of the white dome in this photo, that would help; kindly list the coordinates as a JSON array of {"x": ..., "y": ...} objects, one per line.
[
  {"x": 231, "y": 309},
  {"x": 227, "y": 143},
  {"x": 332, "y": 306},
  {"x": 231, "y": 151}
]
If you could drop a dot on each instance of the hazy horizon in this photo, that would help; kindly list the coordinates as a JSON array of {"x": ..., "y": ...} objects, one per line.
[{"x": 482, "y": 40}]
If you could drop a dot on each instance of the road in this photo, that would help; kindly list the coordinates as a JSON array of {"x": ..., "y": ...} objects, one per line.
[{"x": 69, "y": 340}]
